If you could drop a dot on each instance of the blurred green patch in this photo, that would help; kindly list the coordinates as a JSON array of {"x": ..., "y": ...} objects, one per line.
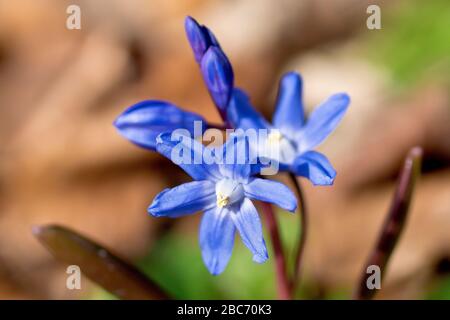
[
  {"x": 176, "y": 263},
  {"x": 440, "y": 289},
  {"x": 414, "y": 41},
  {"x": 99, "y": 293}
]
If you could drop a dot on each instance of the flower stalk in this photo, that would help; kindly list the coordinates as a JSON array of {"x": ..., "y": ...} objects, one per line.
[
  {"x": 394, "y": 222},
  {"x": 283, "y": 283},
  {"x": 303, "y": 215}
]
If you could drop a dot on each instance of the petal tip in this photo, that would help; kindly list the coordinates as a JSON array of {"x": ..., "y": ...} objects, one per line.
[
  {"x": 344, "y": 97},
  {"x": 261, "y": 257},
  {"x": 214, "y": 267},
  {"x": 324, "y": 181},
  {"x": 153, "y": 207},
  {"x": 215, "y": 272},
  {"x": 188, "y": 20},
  {"x": 150, "y": 211},
  {"x": 292, "y": 208},
  {"x": 163, "y": 138},
  {"x": 116, "y": 122},
  {"x": 292, "y": 76}
]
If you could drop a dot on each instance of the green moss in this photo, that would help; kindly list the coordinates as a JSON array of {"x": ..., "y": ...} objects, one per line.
[{"x": 414, "y": 39}]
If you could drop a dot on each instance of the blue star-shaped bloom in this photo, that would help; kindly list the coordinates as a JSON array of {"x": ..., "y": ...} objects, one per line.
[
  {"x": 296, "y": 136},
  {"x": 223, "y": 190}
]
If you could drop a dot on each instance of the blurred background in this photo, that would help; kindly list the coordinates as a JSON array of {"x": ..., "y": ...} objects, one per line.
[{"x": 62, "y": 161}]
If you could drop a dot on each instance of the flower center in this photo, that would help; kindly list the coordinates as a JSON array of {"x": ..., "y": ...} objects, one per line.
[
  {"x": 274, "y": 137},
  {"x": 279, "y": 148},
  {"x": 228, "y": 191},
  {"x": 222, "y": 200}
]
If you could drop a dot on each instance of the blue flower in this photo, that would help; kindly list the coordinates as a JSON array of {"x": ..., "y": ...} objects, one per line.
[
  {"x": 223, "y": 190},
  {"x": 214, "y": 64},
  {"x": 296, "y": 136},
  {"x": 144, "y": 121}
]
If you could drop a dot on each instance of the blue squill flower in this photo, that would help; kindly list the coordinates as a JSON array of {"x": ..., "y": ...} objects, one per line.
[
  {"x": 296, "y": 136},
  {"x": 222, "y": 190},
  {"x": 144, "y": 121},
  {"x": 214, "y": 64}
]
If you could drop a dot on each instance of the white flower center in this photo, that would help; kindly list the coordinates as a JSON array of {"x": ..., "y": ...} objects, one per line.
[
  {"x": 228, "y": 191},
  {"x": 274, "y": 137},
  {"x": 278, "y": 147}
]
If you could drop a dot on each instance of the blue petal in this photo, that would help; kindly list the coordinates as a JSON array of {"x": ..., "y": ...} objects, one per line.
[
  {"x": 289, "y": 114},
  {"x": 323, "y": 120},
  {"x": 247, "y": 222},
  {"x": 144, "y": 121},
  {"x": 272, "y": 192},
  {"x": 184, "y": 199},
  {"x": 171, "y": 145},
  {"x": 216, "y": 239},
  {"x": 233, "y": 158},
  {"x": 316, "y": 167},
  {"x": 200, "y": 38},
  {"x": 241, "y": 114},
  {"x": 218, "y": 75}
]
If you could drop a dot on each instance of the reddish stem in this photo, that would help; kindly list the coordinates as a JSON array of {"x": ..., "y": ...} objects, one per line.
[
  {"x": 303, "y": 233},
  {"x": 284, "y": 292},
  {"x": 394, "y": 222}
]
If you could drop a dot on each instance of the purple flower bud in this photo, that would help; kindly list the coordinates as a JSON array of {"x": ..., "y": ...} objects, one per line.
[
  {"x": 212, "y": 37},
  {"x": 218, "y": 75},
  {"x": 199, "y": 37}
]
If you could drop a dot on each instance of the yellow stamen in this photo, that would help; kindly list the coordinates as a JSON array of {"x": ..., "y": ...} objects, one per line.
[
  {"x": 222, "y": 200},
  {"x": 275, "y": 137}
]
